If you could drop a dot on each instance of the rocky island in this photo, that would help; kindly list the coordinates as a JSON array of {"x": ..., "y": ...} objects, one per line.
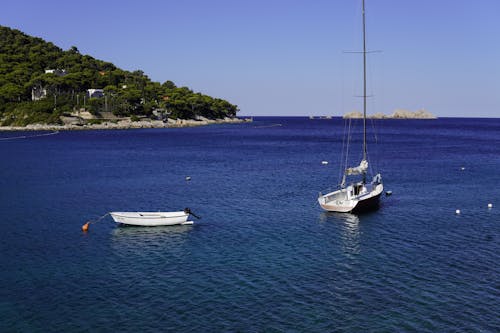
[
  {"x": 397, "y": 114},
  {"x": 44, "y": 87}
]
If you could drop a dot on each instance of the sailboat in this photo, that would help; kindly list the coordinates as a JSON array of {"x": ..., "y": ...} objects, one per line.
[{"x": 362, "y": 195}]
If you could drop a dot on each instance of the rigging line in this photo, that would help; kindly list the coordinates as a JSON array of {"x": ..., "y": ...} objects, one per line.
[
  {"x": 342, "y": 151},
  {"x": 370, "y": 164},
  {"x": 377, "y": 129},
  {"x": 377, "y": 155},
  {"x": 374, "y": 131},
  {"x": 348, "y": 142},
  {"x": 28, "y": 136}
]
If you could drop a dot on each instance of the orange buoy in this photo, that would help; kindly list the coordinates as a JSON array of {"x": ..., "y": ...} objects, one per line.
[{"x": 85, "y": 227}]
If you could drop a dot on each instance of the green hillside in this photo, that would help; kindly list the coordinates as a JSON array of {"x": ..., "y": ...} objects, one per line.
[{"x": 28, "y": 94}]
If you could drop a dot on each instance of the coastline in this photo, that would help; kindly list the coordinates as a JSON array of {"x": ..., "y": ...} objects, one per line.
[{"x": 127, "y": 124}]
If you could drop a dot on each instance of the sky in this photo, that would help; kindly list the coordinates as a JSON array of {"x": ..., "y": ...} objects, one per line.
[{"x": 288, "y": 58}]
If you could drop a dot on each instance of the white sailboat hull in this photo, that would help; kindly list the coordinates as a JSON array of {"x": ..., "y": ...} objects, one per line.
[
  {"x": 150, "y": 219},
  {"x": 345, "y": 201}
]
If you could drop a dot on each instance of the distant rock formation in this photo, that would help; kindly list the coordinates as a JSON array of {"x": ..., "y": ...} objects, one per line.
[
  {"x": 405, "y": 114},
  {"x": 397, "y": 114},
  {"x": 379, "y": 115},
  {"x": 353, "y": 115}
]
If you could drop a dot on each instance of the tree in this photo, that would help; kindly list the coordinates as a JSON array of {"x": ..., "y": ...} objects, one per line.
[
  {"x": 24, "y": 59},
  {"x": 73, "y": 49},
  {"x": 11, "y": 92},
  {"x": 169, "y": 85}
]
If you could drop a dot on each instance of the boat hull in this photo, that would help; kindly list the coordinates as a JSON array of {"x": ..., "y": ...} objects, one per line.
[
  {"x": 340, "y": 205},
  {"x": 367, "y": 205},
  {"x": 150, "y": 219},
  {"x": 338, "y": 201}
]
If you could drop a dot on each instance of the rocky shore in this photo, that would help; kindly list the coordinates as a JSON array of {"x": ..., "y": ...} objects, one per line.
[
  {"x": 397, "y": 114},
  {"x": 126, "y": 123}
]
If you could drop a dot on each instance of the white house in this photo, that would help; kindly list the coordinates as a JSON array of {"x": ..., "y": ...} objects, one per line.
[
  {"x": 58, "y": 72},
  {"x": 38, "y": 93},
  {"x": 95, "y": 93},
  {"x": 161, "y": 114}
]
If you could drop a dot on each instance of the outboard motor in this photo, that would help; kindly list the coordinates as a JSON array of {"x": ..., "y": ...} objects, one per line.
[{"x": 188, "y": 211}]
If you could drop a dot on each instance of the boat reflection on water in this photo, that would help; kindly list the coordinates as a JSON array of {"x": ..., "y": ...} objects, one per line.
[
  {"x": 345, "y": 217},
  {"x": 124, "y": 229},
  {"x": 135, "y": 239},
  {"x": 350, "y": 233}
]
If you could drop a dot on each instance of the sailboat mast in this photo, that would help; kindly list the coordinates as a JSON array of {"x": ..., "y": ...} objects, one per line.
[{"x": 364, "y": 84}]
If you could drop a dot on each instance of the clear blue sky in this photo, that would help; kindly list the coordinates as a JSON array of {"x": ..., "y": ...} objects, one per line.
[{"x": 278, "y": 57}]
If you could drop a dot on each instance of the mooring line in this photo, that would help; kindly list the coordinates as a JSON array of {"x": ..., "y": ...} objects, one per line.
[
  {"x": 267, "y": 126},
  {"x": 85, "y": 227},
  {"x": 28, "y": 136}
]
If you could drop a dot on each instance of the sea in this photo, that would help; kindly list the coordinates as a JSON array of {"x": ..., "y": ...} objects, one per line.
[{"x": 263, "y": 257}]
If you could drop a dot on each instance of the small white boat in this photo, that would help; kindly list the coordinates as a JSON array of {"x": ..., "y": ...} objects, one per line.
[{"x": 152, "y": 219}]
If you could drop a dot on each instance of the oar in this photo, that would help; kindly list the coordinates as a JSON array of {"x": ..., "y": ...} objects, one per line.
[{"x": 188, "y": 211}]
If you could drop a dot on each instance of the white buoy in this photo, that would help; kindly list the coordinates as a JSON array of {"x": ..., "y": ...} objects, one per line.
[
  {"x": 462, "y": 168},
  {"x": 324, "y": 162},
  {"x": 457, "y": 211},
  {"x": 188, "y": 178},
  {"x": 490, "y": 205}
]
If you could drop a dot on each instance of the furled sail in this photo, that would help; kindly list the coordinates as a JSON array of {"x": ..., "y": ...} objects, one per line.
[{"x": 360, "y": 169}]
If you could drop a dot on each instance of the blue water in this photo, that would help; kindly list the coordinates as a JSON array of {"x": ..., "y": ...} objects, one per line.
[{"x": 264, "y": 257}]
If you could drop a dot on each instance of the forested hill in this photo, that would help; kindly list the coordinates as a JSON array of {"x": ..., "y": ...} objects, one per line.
[{"x": 39, "y": 82}]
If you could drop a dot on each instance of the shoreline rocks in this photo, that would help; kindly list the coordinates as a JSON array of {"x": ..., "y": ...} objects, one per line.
[{"x": 126, "y": 123}]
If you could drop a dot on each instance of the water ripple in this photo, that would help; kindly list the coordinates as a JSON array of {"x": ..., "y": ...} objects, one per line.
[{"x": 263, "y": 258}]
